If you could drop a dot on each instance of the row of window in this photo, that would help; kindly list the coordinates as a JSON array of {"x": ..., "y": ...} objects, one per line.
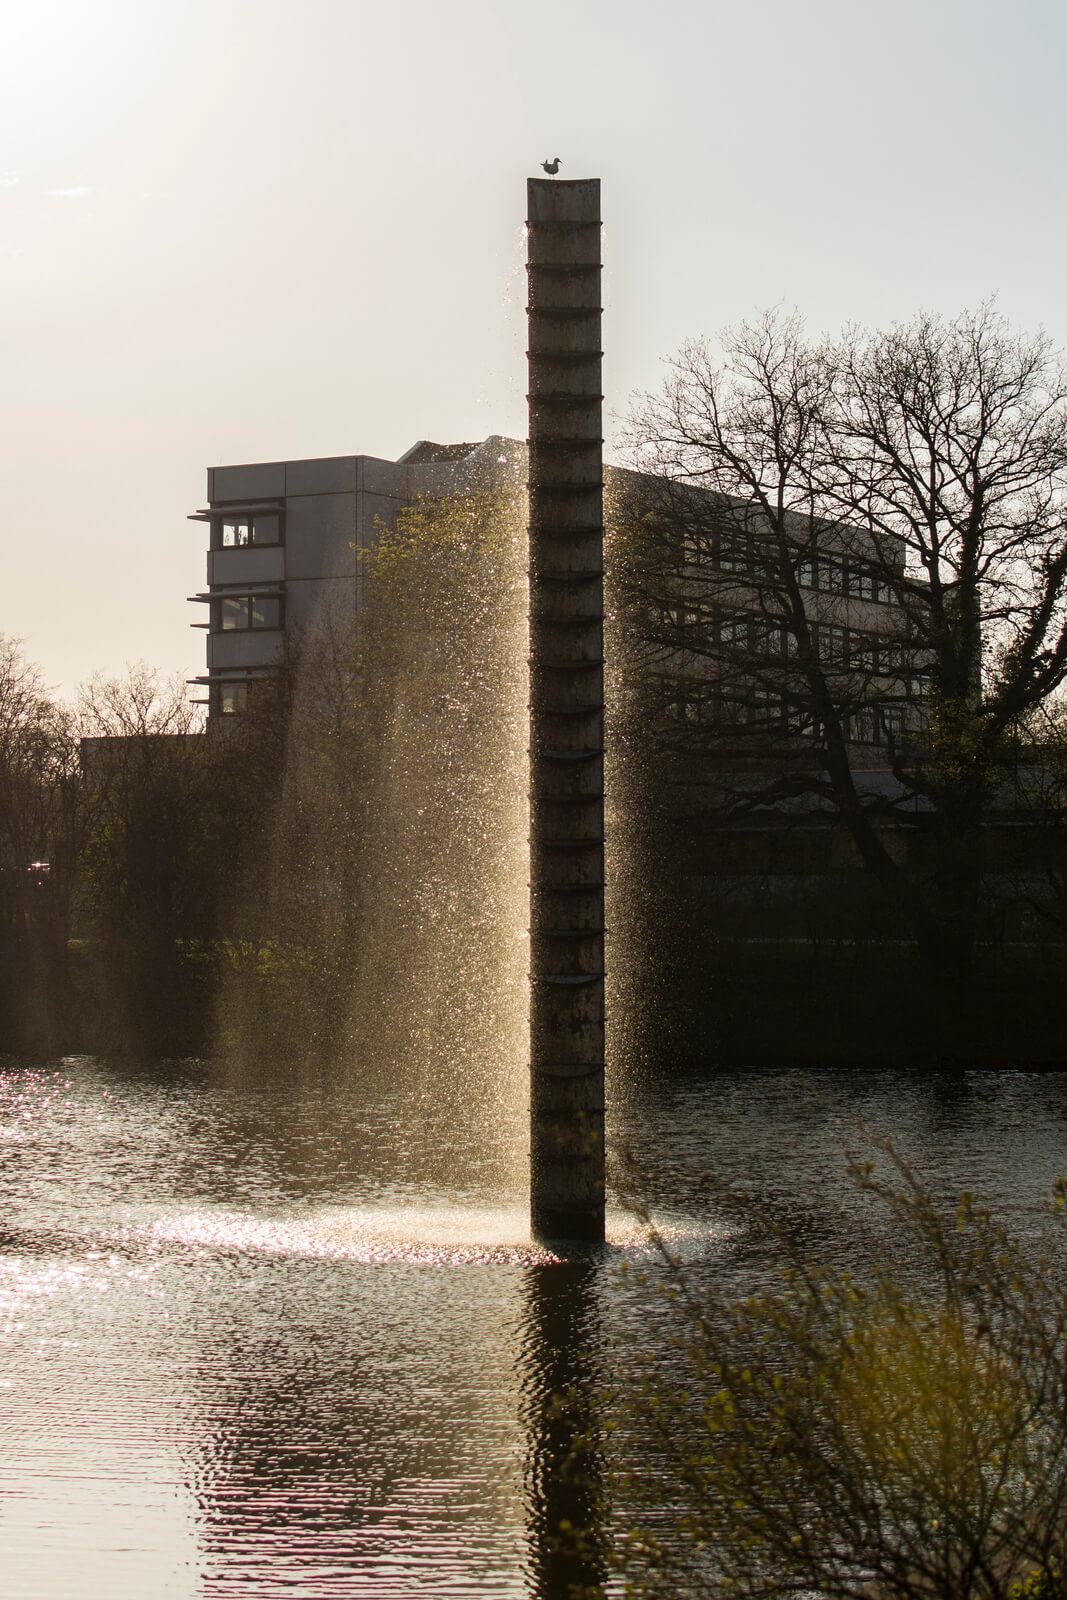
[
  {"x": 745, "y": 636},
  {"x": 828, "y": 574},
  {"x": 765, "y": 712},
  {"x": 881, "y": 725},
  {"x": 234, "y": 533},
  {"x": 243, "y": 611},
  {"x": 862, "y": 652},
  {"x": 850, "y": 578}
]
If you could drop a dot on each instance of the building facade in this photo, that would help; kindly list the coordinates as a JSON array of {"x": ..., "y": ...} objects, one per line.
[
  {"x": 284, "y": 561},
  {"x": 284, "y": 543}
]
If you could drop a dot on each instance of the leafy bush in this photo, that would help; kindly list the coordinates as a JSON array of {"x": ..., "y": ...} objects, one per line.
[{"x": 900, "y": 1433}]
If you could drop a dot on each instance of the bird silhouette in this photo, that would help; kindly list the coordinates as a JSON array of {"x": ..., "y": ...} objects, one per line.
[{"x": 551, "y": 167}]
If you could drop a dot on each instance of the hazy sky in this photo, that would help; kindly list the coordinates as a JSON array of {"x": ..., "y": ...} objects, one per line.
[{"x": 240, "y": 230}]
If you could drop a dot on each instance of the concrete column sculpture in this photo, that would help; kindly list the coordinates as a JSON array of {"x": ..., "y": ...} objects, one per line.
[{"x": 566, "y": 711}]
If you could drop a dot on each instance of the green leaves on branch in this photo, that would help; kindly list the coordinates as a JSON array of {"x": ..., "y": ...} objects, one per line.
[{"x": 900, "y": 1432}]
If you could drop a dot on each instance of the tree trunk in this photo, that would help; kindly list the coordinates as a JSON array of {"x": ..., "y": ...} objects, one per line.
[{"x": 958, "y": 873}]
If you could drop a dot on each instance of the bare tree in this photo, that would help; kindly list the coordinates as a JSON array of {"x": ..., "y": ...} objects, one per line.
[
  {"x": 851, "y": 554},
  {"x": 149, "y": 864},
  {"x": 38, "y": 831}
]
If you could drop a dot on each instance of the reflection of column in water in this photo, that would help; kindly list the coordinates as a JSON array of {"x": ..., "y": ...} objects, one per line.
[{"x": 564, "y": 1463}]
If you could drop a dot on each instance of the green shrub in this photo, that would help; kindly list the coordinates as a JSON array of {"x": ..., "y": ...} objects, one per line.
[{"x": 896, "y": 1433}]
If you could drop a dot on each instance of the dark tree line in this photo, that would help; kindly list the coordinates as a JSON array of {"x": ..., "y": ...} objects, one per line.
[
  {"x": 123, "y": 836},
  {"x": 39, "y": 822}
]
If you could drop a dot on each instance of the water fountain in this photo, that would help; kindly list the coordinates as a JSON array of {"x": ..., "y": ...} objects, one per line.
[{"x": 566, "y": 711}]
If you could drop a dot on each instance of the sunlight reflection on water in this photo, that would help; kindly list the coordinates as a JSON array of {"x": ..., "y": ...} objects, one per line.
[{"x": 441, "y": 1236}]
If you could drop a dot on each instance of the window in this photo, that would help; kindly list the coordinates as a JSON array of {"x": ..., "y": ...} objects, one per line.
[
  {"x": 808, "y": 573},
  {"x": 237, "y": 532},
  {"x": 684, "y": 709},
  {"x": 865, "y": 652},
  {"x": 692, "y": 544},
  {"x": 820, "y": 572},
  {"x": 863, "y": 584},
  {"x": 771, "y": 639},
  {"x": 733, "y": 634},
  {"x": 732, "y": 711},
  {"x": 233, "y": 697},
  {"x": 765, "y": 709},
  {"x": 248, "y": 611},
  {"x": 862, "y": 726},
  {"x": 733, "y": 552},
  {"x": 833, "y": 645},
  {"x": 893, "y": 723},
  {"x": 896, "y": 656}
]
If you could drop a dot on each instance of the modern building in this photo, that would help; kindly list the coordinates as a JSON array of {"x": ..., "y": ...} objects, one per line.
[
  {"x": 284, "y": 542},
  {"x": 284, "y": 561}
]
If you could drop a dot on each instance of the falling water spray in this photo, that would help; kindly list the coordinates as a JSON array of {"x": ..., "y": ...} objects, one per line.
[{"x": 566, "y": 711}]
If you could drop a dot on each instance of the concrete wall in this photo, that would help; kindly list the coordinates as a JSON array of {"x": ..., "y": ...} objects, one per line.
[
  {"x": 259, "y": 647},
  {"x": 320, "y": 537},
  {"x": 261, "y": 481},
  {"x": 263, "y": 565}
]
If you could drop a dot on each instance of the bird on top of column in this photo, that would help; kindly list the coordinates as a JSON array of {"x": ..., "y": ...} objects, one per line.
[{"x": 551, "y": 167}]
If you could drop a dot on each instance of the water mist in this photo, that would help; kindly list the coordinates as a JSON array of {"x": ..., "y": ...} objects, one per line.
[{"x": 393, "y": 945}]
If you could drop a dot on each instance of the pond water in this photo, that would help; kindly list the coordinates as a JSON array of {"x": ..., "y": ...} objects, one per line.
[{"x": 269, "y": 1337}]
